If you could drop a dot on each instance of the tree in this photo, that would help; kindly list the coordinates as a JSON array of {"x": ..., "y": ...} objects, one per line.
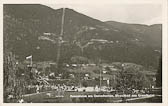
[
  {"x": 84, "y": 83},
  {"x": 159, "y": 74},
  {"x": 12, "y": 82},
  {"x": 131, "y": 78}
]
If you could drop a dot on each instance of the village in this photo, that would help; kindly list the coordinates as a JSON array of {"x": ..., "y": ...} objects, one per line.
[
  {"x": 101, "y": 79},
  {"x": 96, "y": 64}
]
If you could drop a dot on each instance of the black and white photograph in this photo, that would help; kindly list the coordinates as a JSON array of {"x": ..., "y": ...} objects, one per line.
[{"x": 82, "y": 53}]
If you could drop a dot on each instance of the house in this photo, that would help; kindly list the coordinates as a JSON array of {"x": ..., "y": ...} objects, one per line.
[
  {"x": 104, "y": 72},
  {"x": 74, "y": 65},
  {"x": 86, "y": 77},
  {"x": 47, "y": 33},
  {"x": 106, "y": 78},
  {"x": 67, "y": 65},
  {"x": 99, "y": 40},
  {"x": 72, "y": 75}
]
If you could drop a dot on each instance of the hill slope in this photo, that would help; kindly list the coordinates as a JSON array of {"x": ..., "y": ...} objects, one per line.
[
  {"x": 151, "y": 35},
  {"x": 34, "y": 29}
]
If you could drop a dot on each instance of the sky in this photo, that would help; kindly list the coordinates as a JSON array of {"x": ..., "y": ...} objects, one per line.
[{"x": 147, "y": 13}]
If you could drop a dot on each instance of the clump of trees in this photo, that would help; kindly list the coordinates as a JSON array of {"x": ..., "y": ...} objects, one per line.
[
  {"x": 131, "y": 78},
  {"x": 159, "y": 74},
  {"x": 14, "y": 83}
]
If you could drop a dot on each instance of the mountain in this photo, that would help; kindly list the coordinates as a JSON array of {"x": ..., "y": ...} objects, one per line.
[
  {"x": 35, "y": 29},
  {"x": 151, "y": 35}
]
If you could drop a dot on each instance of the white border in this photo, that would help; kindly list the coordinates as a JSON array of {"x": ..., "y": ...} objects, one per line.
[{"x": 164, "y": 47}]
